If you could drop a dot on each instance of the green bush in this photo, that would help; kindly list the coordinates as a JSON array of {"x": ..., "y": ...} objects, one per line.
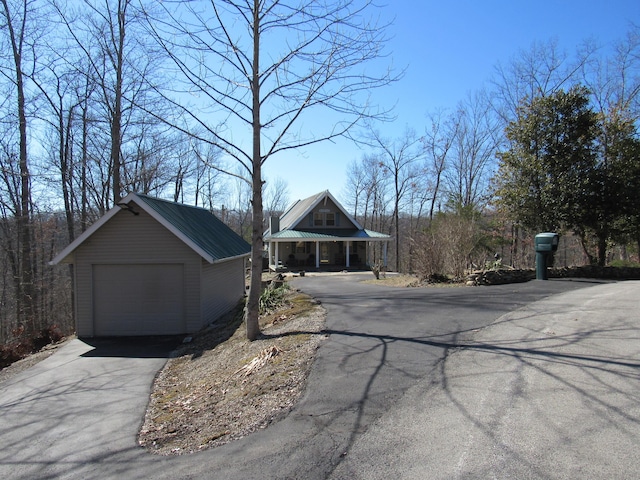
[{"x": 272, "y": 298}]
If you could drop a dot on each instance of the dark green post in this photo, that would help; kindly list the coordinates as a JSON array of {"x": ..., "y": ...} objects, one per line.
[
  {"x": 545, "y": 244},
  {"x": 541, "y": 266}
]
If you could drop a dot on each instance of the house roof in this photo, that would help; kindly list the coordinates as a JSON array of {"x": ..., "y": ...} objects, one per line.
[
  {"x": 300, "y": 209},
  {"x": 328, "y": 234},
  {"x": 198, "y": 228}
]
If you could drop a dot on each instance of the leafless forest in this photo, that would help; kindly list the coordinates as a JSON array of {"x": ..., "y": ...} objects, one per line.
[{"x": 95, "y": 105}]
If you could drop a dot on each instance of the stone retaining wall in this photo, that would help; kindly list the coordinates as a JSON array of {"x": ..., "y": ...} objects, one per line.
[{"x": 499, "y": 277}]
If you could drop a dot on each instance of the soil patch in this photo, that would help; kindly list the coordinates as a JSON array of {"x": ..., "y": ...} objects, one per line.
[{"x": 221, "y": 387}]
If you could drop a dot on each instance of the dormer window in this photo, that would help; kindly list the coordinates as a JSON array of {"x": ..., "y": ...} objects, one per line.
[
  {"x": 324, "y": 218},
  {"x": 330, "y": 219}
]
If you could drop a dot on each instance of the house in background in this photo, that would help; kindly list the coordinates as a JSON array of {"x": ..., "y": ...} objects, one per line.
[
  {"x": 318, "y": 232},
  {"x": 154, "y": 267}
]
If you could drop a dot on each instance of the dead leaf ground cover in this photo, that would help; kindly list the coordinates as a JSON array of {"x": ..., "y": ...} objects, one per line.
[
  {"x": 409, "y": 281},
  {"x": 221, "y": 387}
]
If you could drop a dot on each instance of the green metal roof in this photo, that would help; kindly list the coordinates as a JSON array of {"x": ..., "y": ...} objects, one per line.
[
  {"x": 198, "y": 228},
  {"x": 328, "y": 234},
  {"x": 201, "y": 227}
]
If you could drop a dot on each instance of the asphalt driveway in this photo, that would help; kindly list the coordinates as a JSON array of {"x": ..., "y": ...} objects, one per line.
[
  {"x": 80, "y": 409},
  {"x": 550, "y": 391},
  {"x": 386, "y": 348}
]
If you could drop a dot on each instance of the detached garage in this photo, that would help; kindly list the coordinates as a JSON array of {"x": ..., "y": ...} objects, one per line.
[{"x": 154, "y": 267}]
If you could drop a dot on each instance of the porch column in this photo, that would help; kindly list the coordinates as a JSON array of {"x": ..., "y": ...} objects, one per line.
[
  {"x": 270, "y": 254},
  {"x": 348, "y": 251},
  {"x": 317, "y": 254},
  {"x": 277, "y": 255}
]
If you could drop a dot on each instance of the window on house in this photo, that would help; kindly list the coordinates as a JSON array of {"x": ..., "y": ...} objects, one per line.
[
  {"x": 324, "y": 219},
  {"x": 330, "y": 219}
]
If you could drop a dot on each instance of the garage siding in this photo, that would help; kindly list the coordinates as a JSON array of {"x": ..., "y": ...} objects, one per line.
[
  {"x": 125, "y": 239},
  {"x": 222, "y": 288}
]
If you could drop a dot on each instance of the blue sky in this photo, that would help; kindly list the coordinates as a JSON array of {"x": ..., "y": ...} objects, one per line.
[{"x": 450, "y": 48}]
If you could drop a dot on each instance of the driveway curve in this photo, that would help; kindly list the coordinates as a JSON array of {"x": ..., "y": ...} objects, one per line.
[
  {"x": 550, "y": 391},
  {"x": 383, "y": 344}
]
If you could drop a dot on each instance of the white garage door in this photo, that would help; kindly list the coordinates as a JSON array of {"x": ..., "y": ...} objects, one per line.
[{"x": 138, "y": 300}]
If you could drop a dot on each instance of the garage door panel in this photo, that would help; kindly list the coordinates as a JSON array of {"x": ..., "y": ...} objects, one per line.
[{"x": 138, "y": 299}]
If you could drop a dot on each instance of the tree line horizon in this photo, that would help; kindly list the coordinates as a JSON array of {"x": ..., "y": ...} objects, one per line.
[{"x": 94, "y": 107}]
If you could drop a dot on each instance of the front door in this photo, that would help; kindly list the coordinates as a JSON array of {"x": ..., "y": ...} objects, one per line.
[{"x": 324, "y": 253}]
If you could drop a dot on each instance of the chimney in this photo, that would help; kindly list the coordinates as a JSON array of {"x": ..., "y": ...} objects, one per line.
[{"x": 274, "y": 224}]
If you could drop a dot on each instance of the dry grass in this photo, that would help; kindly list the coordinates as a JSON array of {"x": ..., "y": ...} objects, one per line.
[
  {"x": 409, "y": 281},
  {"x": 222, "y": 387},
  {"x": 402, "y": 281}
]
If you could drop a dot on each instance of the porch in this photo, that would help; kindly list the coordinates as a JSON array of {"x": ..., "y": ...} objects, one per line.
[{"x": 325, "y": 254}]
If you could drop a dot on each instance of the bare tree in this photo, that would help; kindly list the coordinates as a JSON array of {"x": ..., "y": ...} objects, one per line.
[
  {"x": 210, "y": 184},
  {"x": 614, "y": 81},
  {"x": 18, "y": 27},
  {"x": 121, "y": 64},
  {"x": 356, "y": 186},
  {"x": 236, "y": 212},
  {"x": 276, "y": 195},
  {"x": 398, "y": 159},
  {"x": 371, "y": 196},
  {"x": 61, "y": 94},
  {"x": 473, "y": 152},
  {"x": 419, "y": 199},
  {"x": 537, "y": 72},
  {"x": 370, "y": 190},
  {"x": 263, "y": 68},
  {"x": 438, "y": 139}
]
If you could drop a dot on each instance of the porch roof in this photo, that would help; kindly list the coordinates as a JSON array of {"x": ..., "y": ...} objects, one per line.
[{"x": 336, "y": 234}]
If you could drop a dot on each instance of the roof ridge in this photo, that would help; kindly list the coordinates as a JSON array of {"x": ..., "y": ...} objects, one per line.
[{"x": 171, "y": 202}]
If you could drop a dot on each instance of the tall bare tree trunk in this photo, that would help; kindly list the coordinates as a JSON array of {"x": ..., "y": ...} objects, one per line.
[
  {"x": 25, "y": 293},
  {"x": 324, "y": 45},
  {"x": 253, "y": 302},
  {"x": 84, "y": 198},
  {"x": 116, "y": 121}
]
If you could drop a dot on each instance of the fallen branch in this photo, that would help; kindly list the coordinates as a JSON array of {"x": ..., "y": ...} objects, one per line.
[{"x": 260, "y": 361}]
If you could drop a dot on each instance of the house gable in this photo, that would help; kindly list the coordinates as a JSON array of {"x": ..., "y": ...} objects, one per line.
[
  {"x": 325, "y": 214},
  {"x": 196, "y": 227},
  {"x": 316, "y": 213}
]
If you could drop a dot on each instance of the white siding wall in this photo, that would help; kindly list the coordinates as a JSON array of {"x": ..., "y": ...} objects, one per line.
[
  {"x": 222, "y": 287},
  {"x": 135, "y": 239}
]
